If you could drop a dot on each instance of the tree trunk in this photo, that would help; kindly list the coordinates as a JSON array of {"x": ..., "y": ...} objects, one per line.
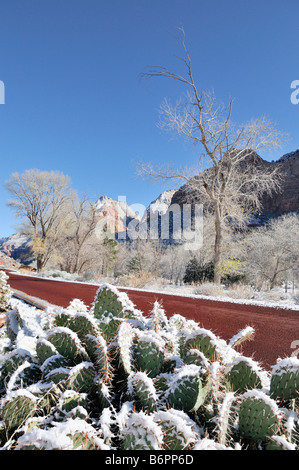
[
  {"x": 218, "y": 246},
  {"x": 273, "y": 279},
  {"x": 40, "y": 262}
]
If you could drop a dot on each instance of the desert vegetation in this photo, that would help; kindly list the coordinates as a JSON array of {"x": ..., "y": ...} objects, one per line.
[{"x": 110, "y": 378}]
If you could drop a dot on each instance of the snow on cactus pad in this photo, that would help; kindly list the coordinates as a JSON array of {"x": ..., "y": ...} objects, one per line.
[{"x": 285, "y": 379}]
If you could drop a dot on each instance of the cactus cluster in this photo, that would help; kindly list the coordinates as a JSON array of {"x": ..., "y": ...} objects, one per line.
[{"x": 110, "y": 377}]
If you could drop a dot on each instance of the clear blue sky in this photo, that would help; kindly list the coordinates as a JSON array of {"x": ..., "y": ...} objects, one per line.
[{"x": 74, "y": 102}]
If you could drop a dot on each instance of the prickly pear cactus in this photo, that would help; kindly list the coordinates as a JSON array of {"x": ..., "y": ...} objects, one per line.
[
  {"x": 109, "y": 303},
  {"x": 142, "y": 433},
  {"x": 126, "y": 336},
  {"x": 186, "y": 390},
  {"x": 110, "y": 307},
  {"x": 225, "y": 418},
  {"x": 69, "y": 401},
  {"x": 83, "y": 324},
  {"x": 142, "y": 388},
  {"x": 285, "y": 379},
  {"x": 45, "y": 349},
  {"x": 108, "y": 377},
  {"x": 203, "y": 340},
  {"x": 67, "y": 344},
  {"x": 17, "y": 408},
  {"x": 97, "y": 350},
  {"x": 73, "y": 434},
  {"x": 82, "y": 377},
  {"x": 179, "y": 431},
  {"x": 259, "y": 416},
  {"x": 244, "y": 374},
  {"x": 148, "y": 353}
]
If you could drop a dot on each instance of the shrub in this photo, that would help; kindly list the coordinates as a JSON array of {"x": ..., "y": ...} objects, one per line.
[
  {"x": 5, "y": 292},
  {"x": 196, "y": 272}
]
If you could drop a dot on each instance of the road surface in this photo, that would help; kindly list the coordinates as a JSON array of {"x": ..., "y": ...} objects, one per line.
[{"x": 276, "y": 330}]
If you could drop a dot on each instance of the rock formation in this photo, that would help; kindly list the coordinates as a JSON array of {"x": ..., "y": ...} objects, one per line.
[{"x": 283, "y": 201}]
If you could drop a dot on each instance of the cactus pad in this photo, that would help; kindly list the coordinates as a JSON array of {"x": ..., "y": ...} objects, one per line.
[
  {"x": 244, "y": 375},
  {"x": 285, "y": 379},
  {"x": 141, "y": 433},
  {"x": 67, "y": 344},
  {"x": 203, "y": 340},
  {"x": 186, "y": 391},
  {"x": 20, "y": 406},
  {"x": 258, "y": 416},
  {"x": 142, "y": 388},
  {"x": 148, "y": 353}
]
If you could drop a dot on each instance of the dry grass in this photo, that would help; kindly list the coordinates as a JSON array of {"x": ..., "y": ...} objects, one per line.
[
  {"x": 141, "y": 279},
  {"x": 209, "y": 289},
  {"x": 240, "y": 291}
]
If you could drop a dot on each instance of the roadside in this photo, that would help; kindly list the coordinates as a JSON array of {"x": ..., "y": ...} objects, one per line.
[{"x": 284, "y": 300}]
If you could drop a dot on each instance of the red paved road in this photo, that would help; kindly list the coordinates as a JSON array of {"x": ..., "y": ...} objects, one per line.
[{"x": 275, "y": 329}]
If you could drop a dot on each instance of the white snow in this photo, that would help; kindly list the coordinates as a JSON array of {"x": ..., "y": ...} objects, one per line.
[
  {"x": 283, "y": 442},
  {"x": 58, "y": 437},
  {"x": 260, "y": 395},
  {"x": 289, "y": 364},
  {"x": 209, "y": 444},
  {"x": 22, "y": 392},
  {"x": 180, "y": 423},
  {"x": 135, "y": 377},
  {"x": 246, "y": 332},
  {"x": 145, "y": 430},
  {"x": 255, "y": 366},
  {"x": 150, "y": 336}
]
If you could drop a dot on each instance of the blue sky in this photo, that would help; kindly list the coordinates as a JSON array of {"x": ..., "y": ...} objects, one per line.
[{"x": 74, "y": 101}]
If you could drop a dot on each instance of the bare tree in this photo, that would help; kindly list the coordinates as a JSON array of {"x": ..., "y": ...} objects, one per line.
[
  {"x": 78, "y": 244},
  {"x": 229, "y": 176},
  {"x": 173, "y": 263},
  {"x": 272, "y": 251},
  {"x": 42, "y": 199}
]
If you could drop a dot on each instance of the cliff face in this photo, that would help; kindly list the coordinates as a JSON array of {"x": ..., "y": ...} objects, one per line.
[
  {"x": 159, "y": 206},
  {"x": 117, "y": 213},
  {"x": 6, "y": 262},
  {"x": 286, "y": 200},
  {"x": 17, "y": 247}
]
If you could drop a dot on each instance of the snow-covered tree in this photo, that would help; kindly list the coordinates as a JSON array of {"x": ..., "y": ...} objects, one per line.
[{"x": 272, "y": 251}]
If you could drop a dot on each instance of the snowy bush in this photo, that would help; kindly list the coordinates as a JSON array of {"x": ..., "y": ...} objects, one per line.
[
  {"x": 5, "y": 292},
  {"x": 210, "y": 289},
  {"x": 109, "y": 377}
]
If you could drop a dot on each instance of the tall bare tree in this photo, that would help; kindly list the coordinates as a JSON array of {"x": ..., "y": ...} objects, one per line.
[
  {"x": 78, "y": 244},
  {"x": 42, "y": 199},
  {"x": 231, "y": 178}
]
